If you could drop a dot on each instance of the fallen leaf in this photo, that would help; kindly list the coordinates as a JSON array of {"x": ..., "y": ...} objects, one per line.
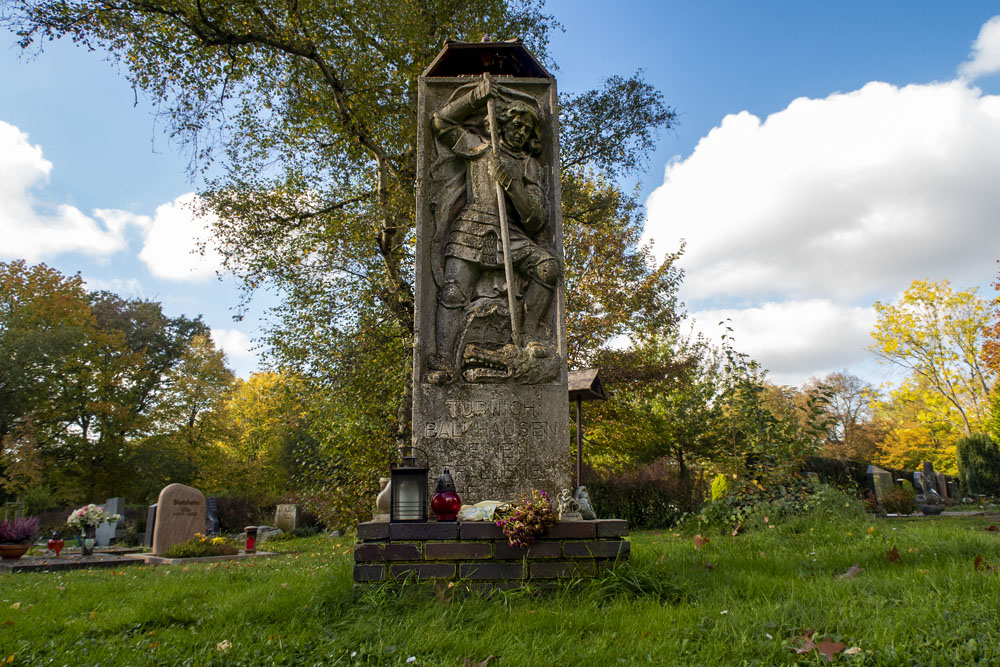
[
  {"x": 699, "y": 541},
  {"x": 986, "y": 567},
  {"x": 871, "y": 529},
  {"x": 913, "y": 550},
  {"x": 736, "y": 530},
  {"x": 992, "y": 527},
  {"x": 709, "y": 566},
  {"x": 16, "y": 605},
  {"x": 92, "y": 615},
  {"x": 645, "y": 634},
  {"x": 660, "y": 559},
  {"x": 893, "y": 555},
  {"x": 854, "y": 650},
  {"x": 470, "y": 663},
  {"x": 807, "y": 643},
  {"x": 7, "y": 623},
  {"x": 830, "y": 649},
  {"x": 154, "y": 645},
  {"x": 766, "y": 520},
  {"x": 852, "y": 572},
  {"x": 224, "y": 645},
  {"x": 761, "y": 554}
]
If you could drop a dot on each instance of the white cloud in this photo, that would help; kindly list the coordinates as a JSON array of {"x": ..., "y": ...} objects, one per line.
[
  {"x": 795, "y": 340},
  {"x": 985, "y": 56},
  {"x": 171, "y": 247},
  {"x": 31, "y": 228},
  {"x": 125, "y": 287},
  {"x": 235, "y": 343},
  {"x": 844, "y": 197}
]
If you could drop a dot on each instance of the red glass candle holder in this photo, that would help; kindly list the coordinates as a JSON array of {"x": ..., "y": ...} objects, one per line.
[
  {"x": 446, "y": 503},
  {"x": 56, "y": 545}
]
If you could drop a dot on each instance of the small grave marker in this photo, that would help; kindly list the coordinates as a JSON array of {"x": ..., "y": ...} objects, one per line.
[{"x": 286, "y": 517}]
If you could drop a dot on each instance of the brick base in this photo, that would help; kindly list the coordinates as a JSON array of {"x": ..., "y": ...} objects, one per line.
[{"x": 479, "y": 552}]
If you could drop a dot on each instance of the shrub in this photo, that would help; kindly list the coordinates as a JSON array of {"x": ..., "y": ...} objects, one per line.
[
  {"x": 200, "y": 546},
  {"x": 979, "y": 464},
  {"x": 749, "y": 504},
  {"x": 900, "y": 501},
  {"x": 238, "y": 512},
  {"x": 841, "y": 473},
  {"x": 719, "y": 486},
  {"x": 22, "y": 529},
  {"x": 644, "y": 504}
]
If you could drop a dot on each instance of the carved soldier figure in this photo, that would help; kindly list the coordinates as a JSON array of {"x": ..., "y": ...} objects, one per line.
[{"x": 469, "y": 253}]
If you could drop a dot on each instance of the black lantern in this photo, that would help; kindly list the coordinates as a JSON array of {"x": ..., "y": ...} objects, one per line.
[{"x": 409, "y": 490}]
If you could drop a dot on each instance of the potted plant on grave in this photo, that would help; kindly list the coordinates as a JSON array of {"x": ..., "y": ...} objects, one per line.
[
  {"x": 86, "y": 519},
  {"x": 16, "y": 536}
]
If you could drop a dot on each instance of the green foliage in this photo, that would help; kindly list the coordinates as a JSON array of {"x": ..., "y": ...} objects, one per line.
[
  {"x": 643, "y": 503},
  {"x": 238, "y": 512},
  {"x": 900, "y": 500},
  {"x": 979, "y": 464},
  {"x": 750, "y": 505},
  {"x": 720, "y": 485},
  {"x": 200, "y": 547}
]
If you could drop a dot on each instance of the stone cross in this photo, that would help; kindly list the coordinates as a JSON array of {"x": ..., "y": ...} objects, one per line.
[
  {"x": 180, "y": 513},
  {"x": 489, "y": 364}
]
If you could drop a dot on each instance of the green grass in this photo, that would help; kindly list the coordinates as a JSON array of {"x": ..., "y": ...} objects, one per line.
[{"x": 669, "y": 607}]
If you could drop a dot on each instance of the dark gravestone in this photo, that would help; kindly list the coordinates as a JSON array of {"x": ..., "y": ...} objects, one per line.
[
  {"x": 147, "y": 539},
  {"x": 930, "y": 501},
  {"x": 954, "y": 491},
  {"x": 942, "y": 485},
  {"x": 880, "y": 482},
  {"x": 212, "y": 526}
]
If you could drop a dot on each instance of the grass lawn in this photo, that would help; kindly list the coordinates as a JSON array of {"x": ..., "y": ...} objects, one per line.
[{"x": 737, "y": 600}]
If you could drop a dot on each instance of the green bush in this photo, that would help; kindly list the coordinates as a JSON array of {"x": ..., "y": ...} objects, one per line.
[
  {"x": 658, "y": 503},
  {"x": 238, "y": 512},
  {"x": 200, "y": 546},
  {"x": 900, "y": 501},
  {"x": 749, "y": 505},
  {"x": 979, "y": 464}
]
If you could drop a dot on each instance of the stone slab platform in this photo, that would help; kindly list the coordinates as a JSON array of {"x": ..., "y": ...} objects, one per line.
[
  {"x": 150, "y": 559},
  {"x": 478, "y": 552},
  {"x": 66, "y": 562}
]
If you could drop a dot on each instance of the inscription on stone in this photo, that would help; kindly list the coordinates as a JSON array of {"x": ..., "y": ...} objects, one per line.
[
  {"x": 489, "y": 374},
  {"x": 180, "y": 513}
]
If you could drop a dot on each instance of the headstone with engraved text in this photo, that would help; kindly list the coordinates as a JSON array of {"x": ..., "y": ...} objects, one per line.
[
  {"x": 286, "y": 517},
  {"x": 180, "y": 513}
]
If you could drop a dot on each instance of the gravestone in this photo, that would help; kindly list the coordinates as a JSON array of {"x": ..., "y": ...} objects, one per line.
[
  {"x": 286, "y": 517},
  {"x": 489, "y": 363},
  {"x": 953, "y": 490},
  {"x": 918, "y": 482},
  {"x": 942, "y": 484},
  {"x": 147, "y": 537},
  {"x": 180, "y": 513},
  {"x": 105, "y": 534},
  {"x": 116, "y": 506},
  {"x": 212, "y": 525},
  {"x": 880, "y": 482},
  {"x": 813, "y": 477}
]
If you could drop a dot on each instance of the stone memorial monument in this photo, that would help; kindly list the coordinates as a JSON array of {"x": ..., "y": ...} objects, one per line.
[
  {"x": 180, "y": 513},
  {"x": 879, "y": 482},
  {"x": 489, "y": 363},
  {"x": 286, "y": 517}
]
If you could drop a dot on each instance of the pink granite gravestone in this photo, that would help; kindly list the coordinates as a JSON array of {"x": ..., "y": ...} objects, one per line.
[{"x": 180, "y": 513}]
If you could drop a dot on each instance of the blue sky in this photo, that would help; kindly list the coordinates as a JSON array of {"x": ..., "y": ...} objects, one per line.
[{"x": 798, "y": 213}]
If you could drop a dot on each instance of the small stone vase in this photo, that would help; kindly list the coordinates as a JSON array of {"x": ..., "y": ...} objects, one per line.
[{"x": 87, "y": 540}]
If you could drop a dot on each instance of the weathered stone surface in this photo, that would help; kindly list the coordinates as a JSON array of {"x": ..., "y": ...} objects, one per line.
[
  {"x": 369, "y": 572},
  {"x": 504, "y": 551},
  {"x": 491, "y": 571},
  {"x": 478, "y": 530},
  {"x": 596, "y": 549},
  {"x": 286, "y": 517},
  {"x": 879, "y": 482},
  {"x": 457, "y": 550},
  {"x": 489, "y": 404},
  {"x": 562, "y": 569},
  {"x": 373, "y": 530},
  {"x": 430, "y": 530},
  {"x": 612, "y": 527},
  {"x": 424, "y": 570},
  {"x": 147, "y": 538},
  {"x": 180, "y": 513},
  {"x": 105, "y": 534},
  {"x": 573, "y": 529}
]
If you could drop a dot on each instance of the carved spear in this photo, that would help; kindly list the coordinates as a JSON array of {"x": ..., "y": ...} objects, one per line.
[{"x": 508, "y": 266}]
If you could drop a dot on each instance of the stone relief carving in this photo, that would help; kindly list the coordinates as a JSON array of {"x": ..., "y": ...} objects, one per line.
[{"x": 494, "y": 276}]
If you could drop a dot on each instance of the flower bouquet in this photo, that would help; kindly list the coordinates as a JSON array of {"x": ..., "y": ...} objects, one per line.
[
  {"x": 90, "y": 516},
  {"x": 528, "y": 519}
]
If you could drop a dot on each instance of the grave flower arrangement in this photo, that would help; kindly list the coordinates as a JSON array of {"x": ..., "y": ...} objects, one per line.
[
  {"x": 18, "y": 531},
  {"x": 200, "y": 546},
  {"x": 90, "y": 516},
  {"x": 528, "y": 519},
  {"x": 16, "y": 536}
]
